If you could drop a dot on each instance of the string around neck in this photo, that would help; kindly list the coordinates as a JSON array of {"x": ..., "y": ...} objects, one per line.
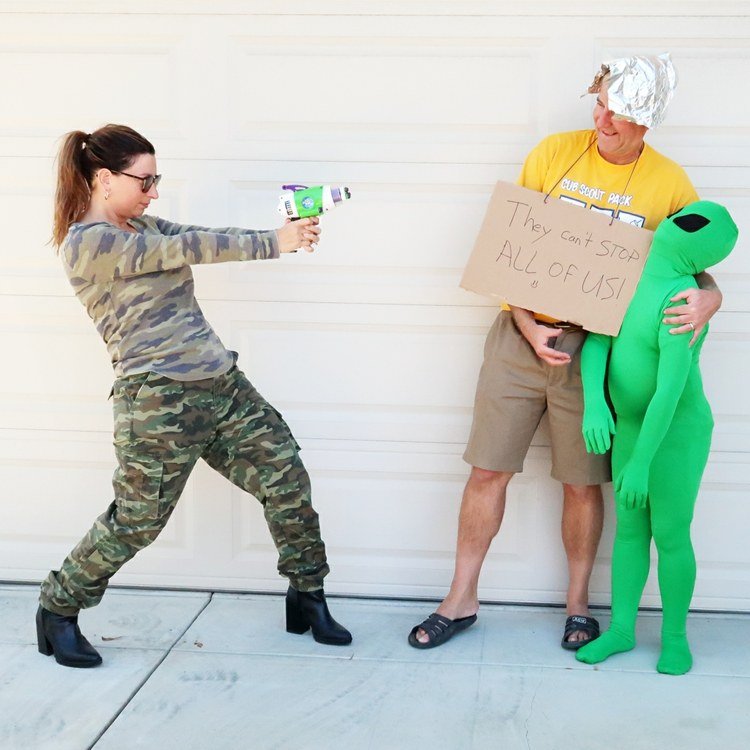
[
  {"x": 616, "y": 213},
  {"x": 562, "y": 176}
]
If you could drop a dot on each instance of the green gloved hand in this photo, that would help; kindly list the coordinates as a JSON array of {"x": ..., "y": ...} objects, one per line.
[
  {"x": 631, "y": 486},
  {"x": 598, "y": 425}
]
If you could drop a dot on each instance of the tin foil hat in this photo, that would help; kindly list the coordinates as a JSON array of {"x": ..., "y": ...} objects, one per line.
[{"x": 639, "y": 88}]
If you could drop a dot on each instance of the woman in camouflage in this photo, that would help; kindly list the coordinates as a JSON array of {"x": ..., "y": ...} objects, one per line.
[{"x": 178, "y": 395}]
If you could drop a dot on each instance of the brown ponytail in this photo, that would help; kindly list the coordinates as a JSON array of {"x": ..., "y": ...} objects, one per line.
[{"x": 112, "y": 147}]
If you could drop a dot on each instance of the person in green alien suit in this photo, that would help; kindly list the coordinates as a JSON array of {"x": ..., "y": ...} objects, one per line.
[{"x": 663, "y": 435}]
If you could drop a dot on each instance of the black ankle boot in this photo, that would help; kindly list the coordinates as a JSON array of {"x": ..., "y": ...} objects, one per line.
[
  {"x": 308, "y": 609},
  {"x": 60, "y": 635}
]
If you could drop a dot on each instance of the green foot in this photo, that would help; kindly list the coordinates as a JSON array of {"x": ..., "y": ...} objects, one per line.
[
  {"x": 604, "y": 646},
  {"x": 675, "y": 655}
]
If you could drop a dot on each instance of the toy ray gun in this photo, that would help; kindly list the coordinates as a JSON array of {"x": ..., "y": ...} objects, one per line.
[{"x": 299, "y": 201}]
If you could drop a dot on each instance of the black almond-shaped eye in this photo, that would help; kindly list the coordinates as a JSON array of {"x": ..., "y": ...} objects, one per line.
[{"x": 691, "y": 222}]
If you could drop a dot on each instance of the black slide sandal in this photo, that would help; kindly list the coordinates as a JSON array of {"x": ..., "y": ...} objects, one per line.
[
  {"x": 582, "y": 623},
  {"x": 439, "y": 629}
]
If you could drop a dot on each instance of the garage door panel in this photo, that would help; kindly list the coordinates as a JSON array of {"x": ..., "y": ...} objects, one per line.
[
  {"x": 62, "y": 482},
  {"x": 47, "y": 63},
  {"x": 408, "y": 70},
  {"x": 723, "y": 359}
]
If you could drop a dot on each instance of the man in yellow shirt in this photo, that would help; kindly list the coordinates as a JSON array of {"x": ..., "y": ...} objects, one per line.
[{"x": 532, "y": 362}]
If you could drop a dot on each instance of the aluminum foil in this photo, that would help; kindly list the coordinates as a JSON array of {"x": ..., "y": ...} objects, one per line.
[{"x": 639, "y": 88}]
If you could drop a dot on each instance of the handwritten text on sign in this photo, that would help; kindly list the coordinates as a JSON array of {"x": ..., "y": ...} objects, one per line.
[{"x": 558, "y": 259}]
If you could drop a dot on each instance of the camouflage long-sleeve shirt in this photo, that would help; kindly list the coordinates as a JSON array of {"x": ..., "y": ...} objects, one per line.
[{"x": 139, "y": 291}]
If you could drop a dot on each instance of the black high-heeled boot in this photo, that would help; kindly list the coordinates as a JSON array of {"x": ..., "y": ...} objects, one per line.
[
  {"x": 308, "y": 609},
  {"x": 61, "y": 636}
]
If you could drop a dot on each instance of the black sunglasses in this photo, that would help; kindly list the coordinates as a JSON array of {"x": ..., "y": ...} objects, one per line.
[{"x": 146, "y": 182}]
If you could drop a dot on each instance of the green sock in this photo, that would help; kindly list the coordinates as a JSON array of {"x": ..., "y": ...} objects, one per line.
[
  {"x": 608, "y": 643},
  {"x": 675, "y": 654}
]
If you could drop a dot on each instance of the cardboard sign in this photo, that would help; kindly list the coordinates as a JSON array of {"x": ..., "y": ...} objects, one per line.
[{"x": 556, "y": 258}]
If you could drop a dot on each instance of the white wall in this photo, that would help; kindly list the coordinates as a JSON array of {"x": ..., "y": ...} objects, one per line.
[{"x": 368, "y": 347}]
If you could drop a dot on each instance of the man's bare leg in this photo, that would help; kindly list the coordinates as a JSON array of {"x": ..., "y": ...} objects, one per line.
[
  {"x": 582, "y": 517},
  {"x": 482, "y": 509}
]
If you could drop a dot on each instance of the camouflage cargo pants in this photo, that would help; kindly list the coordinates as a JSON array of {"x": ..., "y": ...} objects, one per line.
[{"x": 162, "y": 428}]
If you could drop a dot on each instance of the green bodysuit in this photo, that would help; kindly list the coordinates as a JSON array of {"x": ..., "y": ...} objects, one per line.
[{"x": 663, "y": 436}]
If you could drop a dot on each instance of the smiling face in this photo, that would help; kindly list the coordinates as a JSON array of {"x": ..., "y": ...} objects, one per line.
[
  {"x": 126, "y": 196},
  {"x": 619, "y": 141}
]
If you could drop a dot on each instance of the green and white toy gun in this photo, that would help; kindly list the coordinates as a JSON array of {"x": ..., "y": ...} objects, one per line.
[{"x": 299, "y": 201}]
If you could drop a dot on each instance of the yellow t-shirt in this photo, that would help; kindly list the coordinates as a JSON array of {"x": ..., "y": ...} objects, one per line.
[{"x": 656, "y": 185}]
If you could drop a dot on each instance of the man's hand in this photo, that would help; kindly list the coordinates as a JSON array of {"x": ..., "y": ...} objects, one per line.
[
  {"x": 538, "y": 337},
  {"x": 539, "y": 340},
  {"x": 303, "y": 233},
  {"x": 700, "y": 305}
]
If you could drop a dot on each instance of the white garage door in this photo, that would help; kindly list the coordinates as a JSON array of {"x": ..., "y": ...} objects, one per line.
[{"x": 368, "y": 347}]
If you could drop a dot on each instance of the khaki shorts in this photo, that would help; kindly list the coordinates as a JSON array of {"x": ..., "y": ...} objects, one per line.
[{"x": 515, "y": 388}]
